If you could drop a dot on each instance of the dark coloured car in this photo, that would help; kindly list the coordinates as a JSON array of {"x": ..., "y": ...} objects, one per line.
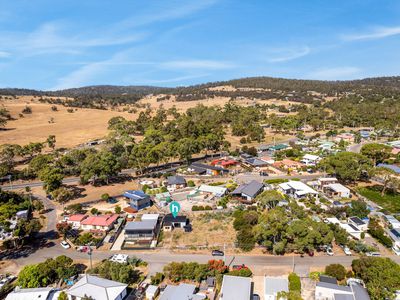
[
  {"x": 217, "y": 253},
  {"x": 239, "y": 267},
  {"x": 256, "y": 297}
]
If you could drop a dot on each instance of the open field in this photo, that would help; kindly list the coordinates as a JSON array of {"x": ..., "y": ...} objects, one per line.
[
  {"x": 83, "y": 125},
  {"x": 389, "y": 201},
  {"x": 70, "y": 129},
  {"x": 208, "y": 229}
]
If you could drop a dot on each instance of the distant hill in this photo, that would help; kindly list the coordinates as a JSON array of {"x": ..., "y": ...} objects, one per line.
[{"x": 283, "y": 84}]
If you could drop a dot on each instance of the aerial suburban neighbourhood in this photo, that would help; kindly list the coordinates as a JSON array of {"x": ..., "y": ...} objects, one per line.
[{"x": 133, "y": 167}]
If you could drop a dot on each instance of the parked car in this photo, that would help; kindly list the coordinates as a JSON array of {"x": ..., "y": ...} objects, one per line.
[
  {"x": 239, "y": 267},
  {"x": 256, "y": 297},
  {"x": 120, "y": 258},
  {"x": 329, "y": 251},
  {"x": 65, "y": 245},
  {"x": 376, "y": 254},
  {"x": 396, "y": 250},
  {"x": 347, "y": 251},
  {"x": 82, "y": 249},
  {"x": 217, "y": 253}
]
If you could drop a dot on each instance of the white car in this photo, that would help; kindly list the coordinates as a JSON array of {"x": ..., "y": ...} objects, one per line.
[
  {"x": 347, "y": 251},
  {"x": 329, "y": 251},
  {"x": 120, "y": 258},
  {"x": 396, "y": 250},
  {"x": 376, "y": 254},
  {"x": 65, "y": 245}
]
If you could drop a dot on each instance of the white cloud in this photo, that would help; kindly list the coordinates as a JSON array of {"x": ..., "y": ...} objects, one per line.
[
  {"x": 339, "y": 73},
  {"x": 375, "y": 33},
  {"x": 167, "y": 80},
  {"x": 197, "y": 64},
  {"x": 287, "y": 54},
  {"x": 4, "y": 54}
]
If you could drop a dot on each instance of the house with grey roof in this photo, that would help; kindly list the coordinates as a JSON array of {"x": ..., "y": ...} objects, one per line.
[
  {"x": 248, "y": 191},
  {"x": 235, "y": 287},
  {"x": 97, "y": 288},
  {"x": 175, "y": 183},
  {"x": 143, "y": 231},
  {"x": 183, "y": 291},
  {"x": 273, "y": 286},
  {"x": 331, "y": 291}
]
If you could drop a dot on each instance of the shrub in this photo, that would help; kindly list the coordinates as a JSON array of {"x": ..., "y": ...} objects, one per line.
[
  {"x": 27, "y": 110},
  {"x": 157, "y": 278},
  {"x": 294, "y": 282},
  {"x": 190, "y": 183},
  {"x": 336, "y": 270},
  {"x": 245, "y": 272}
]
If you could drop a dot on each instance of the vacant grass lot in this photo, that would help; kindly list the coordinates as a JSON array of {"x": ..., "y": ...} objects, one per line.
[{"x": 390, "y": 201}]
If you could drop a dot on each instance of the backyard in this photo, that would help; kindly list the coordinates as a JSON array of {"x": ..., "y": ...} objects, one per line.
[
  {"x": 209, "y": 229},
  {"x": 390, "y": 201}
]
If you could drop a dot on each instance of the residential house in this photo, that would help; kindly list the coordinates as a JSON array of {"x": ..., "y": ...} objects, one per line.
[
  {"x": 143, "y": 231},
  {"x": 97, "y": 288},
  {"x": 182, "y": 291},
  {"x": 224, "y": 162},
  {"x": 152, "y": 292},
  {"x": 203, "y": 169},
  {"x": 392, "y": 221},
  {"x": 99, "y": 223},
  {"x": 350, "y": 228},
  {"x": 354, "y": 290},
  {"x": 273, "y": 286},
  {"x": 255, "y": 162},
  {"x": 310, "y": 160},
  {"x": 394, "y": 168},
  {"x": 347, "y": 137},
  {"x": 277, "y": 147},
  {"x": 288, "y": 164},
  {"x": 395, "y": 236},
  {"x": 248, "y": 191},
  {"x": 45, "y": 293},
  {"x": 356, "y": 221},
  {"x": 170, "y": 222},
  {"x": 137, "y": 199},
  {"x": 296, "y": 189},
  {"x": 235, "y": 287},
  {"x": 175, "y": 183},
  {"x": 218, "y": 191},
  {"x": 75, "y": 220},
  {"x": 322, "y": 182},
  {"x": 336, "y": 190}
]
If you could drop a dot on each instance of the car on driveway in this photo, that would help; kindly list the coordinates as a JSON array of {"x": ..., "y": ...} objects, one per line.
[
  {"x": 239, "y": 267},
  {"x": 375, "y": 254},
  {"x": 256, "y": 297},
  {"x": 65, "y": 245},
  {"x": 329, "y": 251},
  {"x": 396, "y": 250},
  {"x": 217, "y": 253}
]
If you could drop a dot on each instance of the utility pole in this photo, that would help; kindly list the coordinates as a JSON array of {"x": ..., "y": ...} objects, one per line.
[
  {"x": 90, "y": 256},
  {"x": 224, "y": 255}
]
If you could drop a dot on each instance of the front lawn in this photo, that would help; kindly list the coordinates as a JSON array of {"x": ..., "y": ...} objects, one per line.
[{"x": 390, "y": 201}]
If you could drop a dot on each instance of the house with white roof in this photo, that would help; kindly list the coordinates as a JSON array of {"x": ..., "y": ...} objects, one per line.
[
  {"x": 351, "y": 229},
  {"x": 217, "y": 191},
  {"x": 296, "y": 189},
  {"x": 336, "y": 190},
  {"x": 235, "y": 287},
  {"x": 273, "y": 286},
  {"x": 395, "y": 236},
  {"x": 393, "y": 222},
  {"x": 310, "y": 159},
  {"x": 46, "y": 293},
  {"x": 183, "y": 291},
  {"x": 328, "y": 290},
  {"x": 97, "y": 288}
]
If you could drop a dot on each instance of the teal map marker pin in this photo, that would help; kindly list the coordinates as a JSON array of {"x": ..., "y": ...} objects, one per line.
[{"x": 174, "y": 208}]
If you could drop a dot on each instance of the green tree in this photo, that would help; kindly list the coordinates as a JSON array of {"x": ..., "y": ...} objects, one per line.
[
  {"x": 51, "y": 141},
  {"x": 381, "y": 276},
  {"x": 269, "y": 199},
  {"x": 358, "y": 208},
  {"x": 62, "y": 296},
  {"x": 389, "y": 178},
  {"x": 52, "y": 178},
  {"x": 376, "y": 152},
  {"x": 62, "y": 195},
  {"x": 347, "y": 166},
  {"x": 336, "y": 270}
]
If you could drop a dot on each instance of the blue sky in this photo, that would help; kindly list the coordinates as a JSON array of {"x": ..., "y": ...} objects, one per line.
[{"x": 61, "y": 44}]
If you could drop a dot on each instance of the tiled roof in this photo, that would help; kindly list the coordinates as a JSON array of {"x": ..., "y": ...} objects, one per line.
[{"x": 102, "y": 220}]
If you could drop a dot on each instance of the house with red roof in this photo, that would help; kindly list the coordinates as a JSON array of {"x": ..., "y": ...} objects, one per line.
[
  {"x": 75, "y": 220},
  {"x": 99, "y": 223},
  {"x": 224, "y": 162}
]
